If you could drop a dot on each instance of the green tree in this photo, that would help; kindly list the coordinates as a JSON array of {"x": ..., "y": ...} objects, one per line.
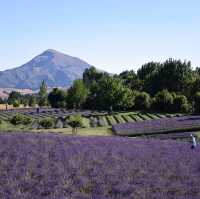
[
  {"x": 197, "y": 103},
  {"x": 126, "y": 100},
  {"x": 148, "y": 74},
  {"x": 57, "y": 98},
  {"x": 147, "y": 70},
  {"x": 175, "y": 75},
  {"x": 32, "y": 101},
  {"x": 163, "y": 101},
  {"x": 25, "y": 100},
  {"x": 131, "y": 80},
  {"x": 16, "y": 104},
  {"x": 142, "y": 101},
  {"x": 92, "y": 75},
  {"x": 180, "y": 104},
  {"x": 1, "y": 101},
  {"x": 14, "y": 97},
  {"x": 43, "y": 96},
  {"x": 75, "y": 121},
  {"x": 77, "y": 94},
  {"x": 195, "y": 87},
  {"x": 110, "y": 92}
]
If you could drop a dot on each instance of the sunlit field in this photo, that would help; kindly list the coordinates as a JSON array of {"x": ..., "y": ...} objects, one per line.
[{"x": 57, "y": 166}]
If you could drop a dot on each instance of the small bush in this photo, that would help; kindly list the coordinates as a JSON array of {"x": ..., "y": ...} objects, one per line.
[
  {"x": 85, "y": 123},
  {"x": 0, "y": 122},
  {"x": 46, "y": 123},
  {"x": 20, "y": 119}
]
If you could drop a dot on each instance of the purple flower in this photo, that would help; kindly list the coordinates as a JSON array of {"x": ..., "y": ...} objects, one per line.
[{"x": 46, "y": 166}]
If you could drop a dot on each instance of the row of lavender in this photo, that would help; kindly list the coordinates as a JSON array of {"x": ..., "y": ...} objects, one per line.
[
  {"x": 47, "y": 113},
  {"x": 174, "y": 124},
  {"x": 44, "y": 166},
  {"x": 96, "y": 118}
]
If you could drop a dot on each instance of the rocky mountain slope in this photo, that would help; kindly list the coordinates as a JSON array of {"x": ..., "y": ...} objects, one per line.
[{"x": 57, "y": 69}]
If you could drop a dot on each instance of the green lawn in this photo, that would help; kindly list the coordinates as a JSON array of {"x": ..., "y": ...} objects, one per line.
[
  {"x": 7, "y": 126},
  {"x": 98, "y": 131}
]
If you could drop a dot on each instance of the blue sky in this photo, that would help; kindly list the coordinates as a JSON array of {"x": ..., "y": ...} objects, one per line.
[{"x": 113, "y": 35}]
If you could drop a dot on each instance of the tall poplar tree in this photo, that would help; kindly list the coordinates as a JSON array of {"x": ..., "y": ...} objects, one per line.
[{"x": 43, "y": 95}]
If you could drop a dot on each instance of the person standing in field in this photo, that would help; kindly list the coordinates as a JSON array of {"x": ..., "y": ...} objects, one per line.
[{"x": 194, "y": 143}]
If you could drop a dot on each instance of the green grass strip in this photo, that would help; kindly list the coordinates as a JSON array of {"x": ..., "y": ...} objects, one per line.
[
  {"x": 160, "y": 115},
  {"x": 144, "y": 116},
  {"x": 153, "y": 116},
  {"x": 136, "y": 118},
  {"x": 129, "y": 118},
  {"x": 111, "y": 120},
  {"x": 126, "y": 118},
  {"x": 105, "y": 120},
  {"x": 119, "y": 119}
]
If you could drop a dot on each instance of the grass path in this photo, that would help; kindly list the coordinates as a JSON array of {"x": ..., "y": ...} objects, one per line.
[{"x": 99, "y": 131}]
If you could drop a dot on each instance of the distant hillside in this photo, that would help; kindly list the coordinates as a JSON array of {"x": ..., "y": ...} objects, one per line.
[
  {"x": 57, "y": 69},
  {"x": 3, "y": 94}
]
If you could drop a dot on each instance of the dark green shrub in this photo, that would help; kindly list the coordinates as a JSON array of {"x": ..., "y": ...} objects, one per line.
[
  {"x": 57, "y": 98},
  {"x": 142, "y": 101},
  {"x": 1, "y": 101},
  {"x": 46, "y": 123},
  {"x": 197, "y": 103},
  {"x": 186, "y": 108},
  {"x": 163, "y": 101},
  {"x": 180, "y": 104},
  {"x": 16, "y": 103},
  {"x": 85, "y": 122},
  {"x": 27, "y": 120},
  {"x": 20, "y": 119}
]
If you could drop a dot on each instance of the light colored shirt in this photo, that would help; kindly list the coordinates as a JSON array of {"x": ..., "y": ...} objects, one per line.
[{"x": 194, "y": 141}]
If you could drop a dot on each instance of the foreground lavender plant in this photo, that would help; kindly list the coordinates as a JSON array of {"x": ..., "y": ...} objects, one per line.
[{"x": 45, "y": 166}]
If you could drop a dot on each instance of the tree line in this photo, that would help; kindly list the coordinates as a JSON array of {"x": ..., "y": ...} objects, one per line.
[{"x": 171, "y": 86}]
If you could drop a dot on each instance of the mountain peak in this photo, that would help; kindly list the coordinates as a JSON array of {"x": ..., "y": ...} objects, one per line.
[
  {"x": 56, "y": 68},
  {"x": 52, "y": 51}
]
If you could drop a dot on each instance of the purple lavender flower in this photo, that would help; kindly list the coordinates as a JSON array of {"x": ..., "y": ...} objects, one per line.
[{"x": 46, "y": 166}]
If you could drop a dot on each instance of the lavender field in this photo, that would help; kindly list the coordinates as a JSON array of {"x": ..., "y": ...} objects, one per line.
[
  {"x": 94, "y": 118},
  {"x": 158, "y": 126},
  {"x": 46, "y": 166}
]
